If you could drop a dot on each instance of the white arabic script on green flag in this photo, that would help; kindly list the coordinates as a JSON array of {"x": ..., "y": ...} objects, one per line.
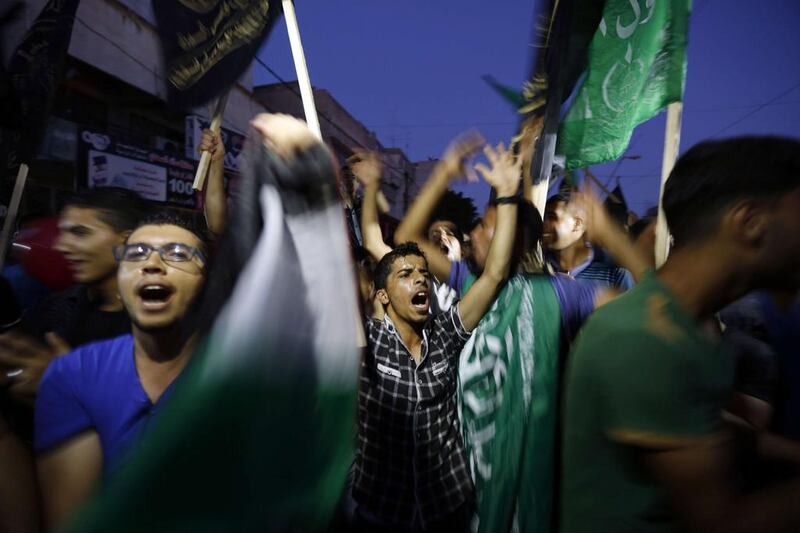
[
  {"x": 637, "y": 66},
  {"x": 508, "y": 389}
]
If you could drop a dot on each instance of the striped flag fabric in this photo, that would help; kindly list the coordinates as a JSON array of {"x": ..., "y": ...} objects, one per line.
[{"x": 259, "y": 432}]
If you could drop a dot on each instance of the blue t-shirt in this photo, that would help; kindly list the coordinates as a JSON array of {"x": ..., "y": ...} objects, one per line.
[
  {"x": 575, "y": 297},
  {"x": 94, "y": 387}
]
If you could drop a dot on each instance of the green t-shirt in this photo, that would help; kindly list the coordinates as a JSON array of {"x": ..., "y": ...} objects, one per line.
[{"x": 642, "y": 374}]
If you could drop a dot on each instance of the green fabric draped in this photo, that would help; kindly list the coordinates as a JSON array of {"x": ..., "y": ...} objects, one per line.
[{"x": 508, "y": 388}]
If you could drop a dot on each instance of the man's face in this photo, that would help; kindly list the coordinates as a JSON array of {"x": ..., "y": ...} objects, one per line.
[
  {"x": 481, "y": 236},
  {"x": 157, "y": 293},
  {"x": 407, "y": 289},
  {"x": 561, "y": 228},
  {"x": 87, "y": 243}
]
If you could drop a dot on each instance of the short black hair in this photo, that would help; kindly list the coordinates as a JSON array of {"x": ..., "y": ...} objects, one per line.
[
  {"x": 558, "y": 197},
  {"x": 384, "y": 267},
  {"x": 122, "y": 209},
  {"x": 713, "y": 175},
  {"x": 164, "y": 217}
]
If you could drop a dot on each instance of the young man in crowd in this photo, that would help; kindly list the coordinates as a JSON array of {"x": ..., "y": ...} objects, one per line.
[
  {"x": 442, "y": 240},
  {"x": 568, "y": 251},
  {"x": 645, "y": 444},
  {"x": 91, "y": 224},
  {"x": 518, "y": 379},
  {"x": 411, "y": 472},
  {"x": 94, "y": 402}
]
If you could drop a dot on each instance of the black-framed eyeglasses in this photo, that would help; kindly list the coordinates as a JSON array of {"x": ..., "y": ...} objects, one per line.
[{"x": 174, "y": 252}]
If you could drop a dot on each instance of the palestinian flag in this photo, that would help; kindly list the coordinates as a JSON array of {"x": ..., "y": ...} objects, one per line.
[{"x": 259, "y": 432}]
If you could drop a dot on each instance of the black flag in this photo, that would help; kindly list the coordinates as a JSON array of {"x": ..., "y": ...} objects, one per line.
[
  {"x": 563, "y": 31},
  {"x": 27, "y": 88},
  {"x": 208, "y": 44},
  {"x": 30, "y": 82}
]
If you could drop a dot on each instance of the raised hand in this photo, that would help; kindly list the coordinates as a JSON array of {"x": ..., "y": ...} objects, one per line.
[
  {"x": 585, "y": 204},
  {"x": 452, "y": 162},
  {"x": 366, "y": 167},
  {"x": 453, "y": 248},
  {"x": 505, "y": 172},
  {"x": 283, "y": 134},
  {"x": 211, "y": 142}
]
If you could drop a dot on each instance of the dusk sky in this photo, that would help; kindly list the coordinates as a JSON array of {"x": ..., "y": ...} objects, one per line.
[{"x": 411, "y": 72}]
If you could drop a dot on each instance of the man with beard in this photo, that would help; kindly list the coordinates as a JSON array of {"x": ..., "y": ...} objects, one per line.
[{"x": 94, "y": 402}]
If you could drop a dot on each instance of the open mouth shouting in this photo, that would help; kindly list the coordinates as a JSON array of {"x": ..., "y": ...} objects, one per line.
[
  {"x": 420, "y": 302},
  {"x": 154, "y": 296}
]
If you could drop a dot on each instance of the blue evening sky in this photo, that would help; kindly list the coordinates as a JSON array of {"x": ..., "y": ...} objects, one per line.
[{"x": 411, "y": 71}]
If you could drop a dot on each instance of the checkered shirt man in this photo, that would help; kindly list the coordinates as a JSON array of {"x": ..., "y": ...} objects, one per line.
[{"x": 411, "y": 468}]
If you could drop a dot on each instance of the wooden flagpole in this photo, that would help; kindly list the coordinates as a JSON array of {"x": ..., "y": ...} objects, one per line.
[
  {"x": 205, "y": 156},
  {"x": 300, "y": 66},
  {"x": 603, "y": 188},
  {"x": 672, "y": 138},
  {"x": 310, "y": 110},
  {"x": 11, "y": 213}
]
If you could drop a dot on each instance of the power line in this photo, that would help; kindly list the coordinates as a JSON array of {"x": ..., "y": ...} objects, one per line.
[
  {"x": 739, "y": 107},
  {"x": 514, "y": 123},
  {"x": 756, "y": 110},
  {"x": 444, "y": 125}
]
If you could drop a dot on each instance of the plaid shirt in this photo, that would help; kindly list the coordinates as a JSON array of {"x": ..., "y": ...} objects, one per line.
[{"x": 411, "y": 467}]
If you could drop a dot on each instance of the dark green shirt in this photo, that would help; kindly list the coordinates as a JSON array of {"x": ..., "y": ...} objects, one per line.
[{"x": 642, "y": 374}]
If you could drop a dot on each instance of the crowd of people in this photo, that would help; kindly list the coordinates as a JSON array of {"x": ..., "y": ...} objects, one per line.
[{"x": 534, "y": 372}]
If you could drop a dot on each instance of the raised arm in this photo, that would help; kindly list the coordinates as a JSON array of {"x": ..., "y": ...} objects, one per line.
[
  {"x": 603, "y": 231},
  {"x": 214, "y": 206},
  {"x": 367, "y": 169},
  {"x": 504, "y": 177},
  {"x": 413, "y": 225}
]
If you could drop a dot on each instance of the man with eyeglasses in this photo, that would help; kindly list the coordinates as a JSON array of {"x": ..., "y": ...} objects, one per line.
[{"x": 95, "y": 401}]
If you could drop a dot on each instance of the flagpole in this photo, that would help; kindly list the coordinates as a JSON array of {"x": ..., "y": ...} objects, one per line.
[
  {"x": 603, "y": 188},
  {"x": 301, "y": 68},
  {"x": 310, "y": 110},
  {"x": 672, "y": 138},
  {"x": 11, "y": 213},
  {"x": 205, "y": 155}
]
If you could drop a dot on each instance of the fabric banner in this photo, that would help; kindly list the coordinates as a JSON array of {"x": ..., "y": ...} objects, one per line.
[
  {"x": 28, "y": 86},
  {"x": 33, "y": 75},
  {"x": 208, "y": 44},
  {"x": 637, "y": 66},
  {"x": 259, "y": 432},
  {"x": 508, "y": 388}
]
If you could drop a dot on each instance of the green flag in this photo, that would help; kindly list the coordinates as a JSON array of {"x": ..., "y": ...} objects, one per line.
[
  {"x": 508, "y": 388},
  {"x": 637, "y": 65}
]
